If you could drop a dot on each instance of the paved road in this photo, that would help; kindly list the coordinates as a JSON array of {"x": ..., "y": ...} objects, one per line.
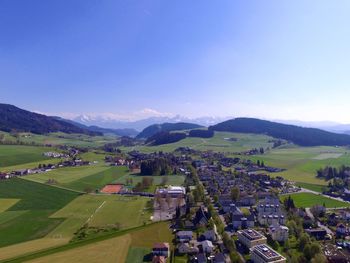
[{"x": 319, "y": 224}]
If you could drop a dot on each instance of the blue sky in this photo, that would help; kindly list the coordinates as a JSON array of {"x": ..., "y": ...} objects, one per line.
[{"x": 268, "y": 59}]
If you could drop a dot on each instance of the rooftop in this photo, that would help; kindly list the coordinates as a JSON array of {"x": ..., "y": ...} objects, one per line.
[
  {"x": 266, "y": 252},
  {"x": 251, "y": 234}
]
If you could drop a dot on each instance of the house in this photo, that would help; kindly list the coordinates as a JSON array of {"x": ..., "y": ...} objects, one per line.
[
  {"x": 279, "y": 233},
  {"x": 207, "y": 246},
  {"x": 21, "y": 172},
  {"x": 317, "y": 233},
  {"x": 209, "y": 235},
  {"x": 158, "y": 259},
  {"x": 341, "y": 229},
  {"x": 219, "y": 258},
  {"x": 161, "y": 249},
  {"x": 265, "y": 254},
  {"x": 184, "y": 236},
  {"x": 202, "y": 217},
  {"x": 250, "y": 238},
  {"x": 185, "y": 248},
  {"x": 242, "y": 221}
]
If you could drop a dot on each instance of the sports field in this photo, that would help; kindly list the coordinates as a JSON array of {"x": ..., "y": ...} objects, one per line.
[{"x": 308, "y": 200}]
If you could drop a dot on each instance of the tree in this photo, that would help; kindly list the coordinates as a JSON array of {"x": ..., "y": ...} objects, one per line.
[
  {"x": 319, "y": 258},
  {"x": 303, "y": 240},
  {"x": 235, "y": 193},
  {"x": 307, "y": 252}
]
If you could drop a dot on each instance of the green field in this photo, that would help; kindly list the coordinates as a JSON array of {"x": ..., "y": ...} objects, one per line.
[
  {"x": 82, "y": 178},
  {"x": 13, "y": 155},
  {"x": 28, "y": 218},
  {"x": 219, "y": 143},
  {"x": 309, "y": 200},
  {"x": 59, "y": 138},
  {"x": 301, "y": 164},
  {"x": 99, "y": 211},
  {"x": 138, "y": 254},
  {"x": 312, "y": 187}
]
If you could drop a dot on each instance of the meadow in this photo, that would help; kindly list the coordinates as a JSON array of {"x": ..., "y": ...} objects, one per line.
[
  {"x": 219, "y": 142},
  {"x": 303, "y": 162},
  {"x": 28, "y": 218},
  {"x": 83, "y": 178},
  {"x": 14, "y": 155},
  {"x": 117, "y": 248},
  {"x": 308, "y": 200}
]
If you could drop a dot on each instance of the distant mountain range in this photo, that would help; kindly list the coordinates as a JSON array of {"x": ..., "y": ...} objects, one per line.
[
  {"x": 166, "y": 127},
  {"x": 296, "y": 134},
  {"x": 16, "y": 119},
  {"x": 139, "y": 125}
]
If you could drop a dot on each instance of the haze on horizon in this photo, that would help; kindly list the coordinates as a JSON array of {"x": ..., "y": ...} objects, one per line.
[{"x": 135, "y": 59}]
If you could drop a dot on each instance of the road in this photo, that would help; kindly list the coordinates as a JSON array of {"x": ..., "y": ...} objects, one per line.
[{"x": 319, "y": 224}]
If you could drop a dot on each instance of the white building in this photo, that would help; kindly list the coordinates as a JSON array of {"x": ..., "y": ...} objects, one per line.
[
  {"x": 265, "y": 254},
  {"x": 251, "y": 238}
]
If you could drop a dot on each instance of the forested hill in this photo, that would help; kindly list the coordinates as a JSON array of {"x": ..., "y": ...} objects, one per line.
[
  {"x": 16, "y": 119},
  {"x": 166, "y": 127},
  {"x": 298, "y": 135}
]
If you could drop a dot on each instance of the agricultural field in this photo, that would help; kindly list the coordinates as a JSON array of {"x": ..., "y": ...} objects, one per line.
[
  {"x": 302, "y": 162},
  {"x": 220, "y": 143},
  {"x": 15, "y": 155},
  {"x": 308, "y": 200},
  {"x": 83, "y": 178},
  {"x": 29, "y": 218},
  {"x": 59, "y": 138},
  {"x": 116, "y": 249}
]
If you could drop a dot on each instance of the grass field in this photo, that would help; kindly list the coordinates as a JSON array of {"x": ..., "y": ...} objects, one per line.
[
  {"x": 59, "y": 138},
  {"x": 312, "y": 187},
  {"x": 138, "y": 255},
  {"x": 100, "y": 210},
  {"x": 302, "y": 162},
  {"x": 13, "y": 155},
  {"x": 82, "y": 178},
  {"x": 309, "y": 200},
  {"x": 218, "y": 143},
  {"x": 108, "y": 251},
  {"x": 114, "y": 249},
  {"x": 7, "y": 203},
  {"x": 28, "y": 218}
]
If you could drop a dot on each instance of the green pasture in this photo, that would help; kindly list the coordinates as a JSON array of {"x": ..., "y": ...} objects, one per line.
[
  {"x": 309, "y": 200},
  {"x": 12, "y": 155},
  {"x": 82, "y": 178},
  {"x": 28, "y": 218}
]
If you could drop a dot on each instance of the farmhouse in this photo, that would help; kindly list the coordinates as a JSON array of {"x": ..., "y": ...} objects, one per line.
[
  {"x": 265, "y": 254},
  {"x": 251, "y": 238}
]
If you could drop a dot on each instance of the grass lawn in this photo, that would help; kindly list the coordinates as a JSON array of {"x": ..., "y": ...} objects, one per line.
[
  {"x": 309, "y": 200},
  {"x": 12, "y": 155},
  {"x": 312, "y": 187},
  {"x": 28, "y": 218}
]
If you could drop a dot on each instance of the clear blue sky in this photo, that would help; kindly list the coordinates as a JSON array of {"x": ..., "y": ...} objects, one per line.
[{"x": 270, "y": 59}]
